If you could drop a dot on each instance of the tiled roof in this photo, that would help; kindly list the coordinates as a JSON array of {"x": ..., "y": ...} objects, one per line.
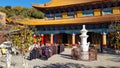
[{"x": 57, "y": 3}]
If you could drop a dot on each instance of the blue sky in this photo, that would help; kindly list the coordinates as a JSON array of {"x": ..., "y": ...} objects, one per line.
[{"x": 24, "y": 3}]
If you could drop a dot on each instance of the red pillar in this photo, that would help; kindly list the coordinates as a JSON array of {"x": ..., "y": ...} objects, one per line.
[
  {"x": 42, "y": 39},
  {"x": 35, "y": 39}
]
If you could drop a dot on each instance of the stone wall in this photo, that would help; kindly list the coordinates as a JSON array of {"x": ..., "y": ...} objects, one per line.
[{"x": 2, "y": 18}]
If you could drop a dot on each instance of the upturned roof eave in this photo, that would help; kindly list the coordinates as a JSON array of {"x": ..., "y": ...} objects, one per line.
[{"x": 43, "y": 6}]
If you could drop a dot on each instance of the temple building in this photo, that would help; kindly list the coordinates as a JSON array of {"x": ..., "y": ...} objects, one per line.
[{"x": 64, "y": 19}]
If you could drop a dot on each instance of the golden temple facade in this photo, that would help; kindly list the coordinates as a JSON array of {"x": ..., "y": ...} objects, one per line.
[{"x": 64, "y": 19}]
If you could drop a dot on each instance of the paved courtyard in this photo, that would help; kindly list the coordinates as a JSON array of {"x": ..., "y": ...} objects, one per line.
[{"x": 64, "y": 60}]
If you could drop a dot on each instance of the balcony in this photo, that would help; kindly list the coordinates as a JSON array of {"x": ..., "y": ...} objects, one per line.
[{"x": 81, "y": 20}]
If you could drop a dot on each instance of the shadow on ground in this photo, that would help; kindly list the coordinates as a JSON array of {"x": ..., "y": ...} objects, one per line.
[
  {"x": 66, "y": 56},
  {"x": 108, "y": 51},
  {"x": 73, "y": 65},
  {"x": 117, "y": 59},
  {"x": 111, "y": 52},
  {"x": 67, "y": 65},
  {"x": 107, "y": 67}
]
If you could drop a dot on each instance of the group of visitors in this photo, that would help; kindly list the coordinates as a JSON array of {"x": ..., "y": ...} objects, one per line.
[{"x": 44, "y": 51}]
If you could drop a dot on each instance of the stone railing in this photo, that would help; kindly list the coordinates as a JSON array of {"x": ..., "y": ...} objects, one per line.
[{"x": 77, "y": 54}]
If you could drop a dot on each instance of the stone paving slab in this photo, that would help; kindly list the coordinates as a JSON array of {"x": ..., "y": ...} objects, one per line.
[{"x": 64, "y": 60}]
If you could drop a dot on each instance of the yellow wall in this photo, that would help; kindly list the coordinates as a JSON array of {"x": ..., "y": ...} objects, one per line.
[
  {"x": 64, "y": 15},
  {"x": 116, "y": 10},
  {"x": 96, "y": 12},
  {"x": 79, "y": 13}
]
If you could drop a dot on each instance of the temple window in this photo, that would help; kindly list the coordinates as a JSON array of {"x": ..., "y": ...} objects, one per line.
[
  {"x": 50, "y": 16},
  {"x": 88, "y": 13},
  {"x": 58, "y": 16},
  {"x": 64, "y": 15},
  {"x": 116, "y": 10},
  {"x": 106, "y": 11},
  {"x": 71, "y": 14},
  {"x": 79, "y": 13},
  {"x": 97, "y": 12}
]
